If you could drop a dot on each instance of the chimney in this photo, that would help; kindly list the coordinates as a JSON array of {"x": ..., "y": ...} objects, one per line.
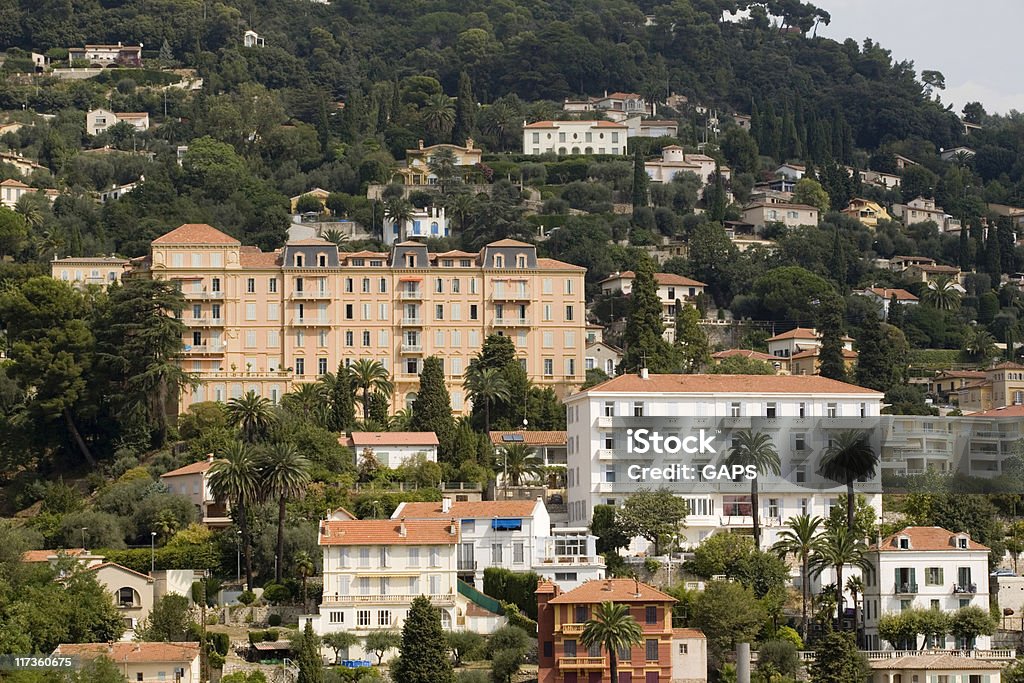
[
  {"x": 644, "y": 374},
  {"x": 446, "y": 505},
  {"x": 402, "y": 530},
  {"x": 420, "y": 143},
  {"x": 209, "y": 457},
  {"x": 637, "y": 582},
  {"x": 454, "y": 528}
]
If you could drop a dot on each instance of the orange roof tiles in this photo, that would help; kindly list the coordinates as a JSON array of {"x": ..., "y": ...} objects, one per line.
[
  {"x": 888, "y": 293},
  {"x": 133, "y": 652},
  {"x": 540, "y": 124},
  {"x": 115, "y": 565},
  {"x": 45, "y": 555},
  {"x": 509, "y": 243},
  {"x": 195, "y": 233},
  {"x": 813, "y": 353},
  {"x": 388, "y": 532},
  {"x": 744, "y": 353},
  {"x": 537, "y": 438},
  {"x": 687, "y": 633},
  {"x": 555, "y": 264},
  {"x": 613, "y": 590},
  {"x": 369, "y": 439},
  {"x": 194, "y": 468},
  {"x": 253, "y": 257},
  {"x": 466, "y": 509},
  {"x": 660, "y": 278},
  {"x": 795, "y": 333},
  {"x": 1016, "y": 411},
  {"x": 11, "y": 182},
  {"x": 932, "y": 538},
  {"x": 728, "y": 384}
]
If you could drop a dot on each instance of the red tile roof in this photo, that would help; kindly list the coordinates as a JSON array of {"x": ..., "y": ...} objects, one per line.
[
  {"x": 195, "y": 468},
  {"x": 744, "y": 353},
  {"x": 613, "y": 590},
  {"x": 555, "y": 264},
  {"x": 795, "y": 333},
  {"x": 509, "y": 243},
  {"x": 620, "y": 96},
  {"x": 687, "y": 633},
  {"x": 45, "y": 555},
  {"x": 11, "y": 182},
  {"x": 931, "y": 538},
  {"x": 961, "y": 374},
  {"x": 466, "y": 509},
  {"x": 537, "y": 438},
  {"x": 887, "y": 293},
  {"x": 1016, "y": 411},
  {"x": 133, "y": 652},
  {"x": 115, "y": 565},
  {"x": 660, "y": 278},
  {"x": 780, "y": 205},
  {"x": 813, "y": 353},
  {"x": 936, "y": 661},
  {"x": 195, "y": 233},
  {"x": 253, "y": 257},
  {"x": 540, "y": 124},
  {"x": 370, "y": 439},
  {"x": 727, "y": 384},
  {"x": 388, "y": 532}
]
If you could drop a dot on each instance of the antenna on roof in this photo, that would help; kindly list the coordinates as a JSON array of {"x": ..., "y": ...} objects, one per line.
[{"x": 643, "y": 366}]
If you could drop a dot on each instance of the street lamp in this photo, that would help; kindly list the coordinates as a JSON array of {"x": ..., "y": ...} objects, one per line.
[
  {"x": 84, "y": 529},
  {"x": 152, "y": 552},
  {"x": 238, "y": 555}
]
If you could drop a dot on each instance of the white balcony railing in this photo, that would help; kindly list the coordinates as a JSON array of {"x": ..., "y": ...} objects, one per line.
[
  {"x": 412, "y": 321},
  {"x": 390, "y": 598},
  {"x": 205, "y": 322},
  {"x": 199, "y": 349},
  {"x": 312, "y": 294},
  {"x": 412, "y": 348},
  {"x": 406, "y": 295},
  {"x": 204, "y": 294},
  {"x": 510, "y": 322}
]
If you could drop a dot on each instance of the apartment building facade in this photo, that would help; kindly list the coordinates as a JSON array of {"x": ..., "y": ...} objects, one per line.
[
  {"x": 800, "y": 413},
  {"x": 264, "y": 321},
  {"x": 574, "y": 137},
  {"x": 924, "y": 568}
]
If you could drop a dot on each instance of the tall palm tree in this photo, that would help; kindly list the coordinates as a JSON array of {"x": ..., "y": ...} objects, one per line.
[
  {"x": 614, "y": 629},
  {"x": 308, "y": 400},
  {"x": 838, "y": 548},
  {"x": 252, "y": 414},
  {"x": 849, "y": 458},
  {"x": 979, "y": 344},
  {"x": 236, "y": 477},
  {"x": 800, "y": 539},
  {"x": 438, "y": 116},
  {"x": 942, "y": 294},
  {"x": 336, "y": 236},
  {"x": 284, "y": 473},
  {"x": 304, "y": 567},
  {"x": 399, "y": 211},
  {"x": 444, "y": 165},
  {"x": 521, "y": 463},
  {"x": 370, "y": 376},
  {"x": 485, "y": 386},
  {"x": 460, "y": 206},
  {"x": 855, "y": 586},
  {"x": 758, "y": 450}
]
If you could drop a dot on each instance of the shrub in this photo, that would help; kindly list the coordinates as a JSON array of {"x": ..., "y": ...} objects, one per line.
[
  {"x": 274, "y": 619},
  {"x": 276, "y": 593},
  {"x": 247, "y": 597}
]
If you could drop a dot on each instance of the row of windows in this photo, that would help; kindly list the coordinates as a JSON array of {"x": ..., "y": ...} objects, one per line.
[
  {"x": 736, "y": 409},
  {"x": 387, "y": 585},
  {"x": 383, "y": 556},
  {"x": 569, "y": 649}
]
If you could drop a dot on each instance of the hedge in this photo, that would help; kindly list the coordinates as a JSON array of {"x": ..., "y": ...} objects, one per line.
[{"x": 517, "y": 588}]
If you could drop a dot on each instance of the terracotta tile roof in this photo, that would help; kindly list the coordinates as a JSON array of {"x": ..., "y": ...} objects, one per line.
[
  {"x": 926, "y": 259},
  {"x": 687, "y": 633},
  {"x": 369, "y": 439},
  {"x": 620, "y": 96},
  {"x": 795, "y": 333},
  {"x": 813, "y": 353},
  {"x": 727, "y": 384},
  {"x": 253, "y": 257},
  {"x": 388, "y": 532},
  {"x": 652, "y": 122},
  {"x": 363, "y": 254},
  {"x": 475, "y": 610},
  {"x": 676, "y": 280},
  {"x": 133, "y": 652},
  {"x": 779, "y": 205},
  {"x": 887, "y": 293},
  {"x": 614, "y": 590},
  {"x": 937, "y": 269},
  {"x": 11, "y": 182},
  {"x": 195, "y": 233},
  {"x": 194, "y": 468},
  {"x": 744, "y": 353},
  {"x": 555, "y": 264},
  {"x": 796, "y": 166},
  {"x": 466, "y": 509},
  {"x": 1007, "y": 365},
  {"x": 538, "y": 438},
  {"x": 925, "y": 538},
  {"x": 540, "y": 124},
  {"x": 610, "y": 347},
  {"x": 132, "y": 115},
  {"x": 961, "y": 374},
  {"x": 455, "y": 253},
  {"x": 544, "y": 587},
  {"x": 670, "y": 147},
  {"x": 976, "y": 385},
  {"x": 111, "y": 260},
  {"x": 937, "y": 661},
  {"x": 1016, "y": 411},
  {"x": 115, "y": 565},
  {"x": 607, "y": 124},
  {"x": 509, "y": 243},
  {"x": 45, "y": 555}
]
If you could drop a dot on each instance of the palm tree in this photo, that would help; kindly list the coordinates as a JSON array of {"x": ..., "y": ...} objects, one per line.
[
  {"x": 399, "y": 211},
  {"x": 304, "y": 567},
  {"x": 485, "y": 385},
  {"x": 285, "y": 473},
  {"x": 236, "y": 477},
  {"x": 979, "y": 344},
  {"x": 521, "y": 464},
  {"x": 308, "y": 400},
  {"x": 460, "y": 206},
  {"x": 855, "y": 586},
  {"x": 800, "y": 539},
  {"x": 838, "y": 548},
  {"x": 758, "y": 450},
  {"x": 370, "y": 376},
  {"x": 336, "y": 236},
  {"x": 614, "y": 629},
  {"x": 252, "y": 414},
  {"x": 849, "y": 458},
  {"x": 444, "y": 165},
  {"x": 438, "y": 116},
  {"x": 28, "y": 206},
  {"x": 941, "y": 293}
]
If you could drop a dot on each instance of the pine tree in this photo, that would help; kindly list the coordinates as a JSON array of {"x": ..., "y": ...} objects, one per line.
[
  {"x": 311, "y": 664},
  {"x": 993, "y": 256},
  {"x": 964, "y": 255},
  {"x": 830, "y": 355},
  {"x": 465, "y": 111},
  {"x": 166, "y": 55},
  {"x": 423, "y": 656},
  {"x": 895, "y": 317},
  {"x": 837, "y": 660},
  {"x": 642, "y": 339},
  {"x": 432, "y": 410},
  {"x": 691, "y": 341},
  {"x": 837, "y": 261},
  {"x": 874, "y": 366},
  {"x": 640, "y": 180}
]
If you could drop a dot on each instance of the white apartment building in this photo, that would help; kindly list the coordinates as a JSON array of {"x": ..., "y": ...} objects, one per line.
[
  {"x": 574, "y": 137},
  {"x": 99, "y": 120},
  {"x": 422, "y": 223},
  {"x": 671, "y": 288},
  {"x": 373, "y": 569},
  {"x": 392, "y": 449},
  {"x": 800, "y": 412},
  {"x": 925, "y": 568},
  {"x": 516, "y": 535}
]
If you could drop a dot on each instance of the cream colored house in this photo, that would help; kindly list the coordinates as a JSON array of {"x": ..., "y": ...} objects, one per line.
[
  {"x": 787, "y": 345},
  {"x": 131, "y": 591},
  {"x": 671, "y": 288},
  {"x": 602, "y": 356},
  {"x": 689, "y": 656},
  {"x": 192, "y": 481},
  {"x": 931, "y": 273},
  {"x": 1002, "y": 386},
  {"x": 99, "y": 120},
  {"x": 107, "y": 55},
  {"x": 264, "y": 321},
  {"x": 920, "y": 210},
  {"x": 675, "y": 161},
  {"x": 907, "y": 667},
  {"x": 142, "y": 661},
  {"x": 79, "y": 271},
  {"x": 24, "y": 166},
  {"x": 80, "y": 555},
  {"x": 884, "y": 296},
  {"x": 418, "y": 162},
  {"x": 760, "y": 214},
  {"x": 574, "y": 137},
  {"x": 866, "y": 211},
  {"x": 392, "y": 449}
]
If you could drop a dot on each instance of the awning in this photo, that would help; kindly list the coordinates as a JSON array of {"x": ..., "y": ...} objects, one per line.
[
  {"x": 507, "y": 524},
  {"x": 410, "y": 278}
]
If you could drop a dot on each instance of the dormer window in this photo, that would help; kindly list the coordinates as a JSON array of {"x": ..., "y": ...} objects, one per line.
[
  {"x": 961, "y": 542},
  {"x": 410, "y": 260},
  {"x": 299, "y": 261},
  {"x": 321, "y": 260},
  {"x": 904, "y": 542},
  {"x": 499, "y": 261},
  {"x": 520, "y": 260}
]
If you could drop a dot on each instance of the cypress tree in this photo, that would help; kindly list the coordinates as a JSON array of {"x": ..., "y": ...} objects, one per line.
[
  {"x": 691, "y": 341},
  {"x": 1007, "y": 244},
  {"x": 896, "y": 316},
  {"x": 642, "y": 339},
  {"x": 432, "y": 410},
  {"x": 423, "y": 656},
  {"x": 640, "y": 180},
  {"x": 830, "y": 355},
  {"x": 311, "y": 664},
  {"x": 465, "y": 111},
  {"x": 964, "y": 254},
  {"x": 343, "y": 408},
  {"x": 874, "y": 368},
  {"x": 714, "y": 197},
  {"x": 837, "y": 261},
  {"x": 993, "y": 257}
]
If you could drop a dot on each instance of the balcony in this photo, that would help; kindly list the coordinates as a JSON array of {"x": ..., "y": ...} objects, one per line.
[
  {"x": 604, "y": 421},
  {"x": 581, "y": 663},
  {"x": 511, "y": 296},
  {"x": 202, "y": 349},
  {"x": 572, "y": 629},
  {"x": 389, "y": 599},
  {"x": 605, "y": 454},
  {"x": 408, "y": 321},
  {"x": 467, "y": 565},
  {"x": 307, "y": 321},
  {"x": 966, "y": 588},
  {"x": 312, "y": 294},
  {"x": 412, "y": 348},
  {"x": 511, "y": 322},
  {"x": 205, "y": 322},
  {"x": 203, "y": 295},
  {"x": 407, "y": 295},
  {"x": 905, "y": 589}
]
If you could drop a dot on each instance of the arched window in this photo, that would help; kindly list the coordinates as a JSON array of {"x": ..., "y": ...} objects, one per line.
[
  {"x": 446, "y": 620},
  {"x": 410, "y": 398},
  {"x": 128, "y": 597}
]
